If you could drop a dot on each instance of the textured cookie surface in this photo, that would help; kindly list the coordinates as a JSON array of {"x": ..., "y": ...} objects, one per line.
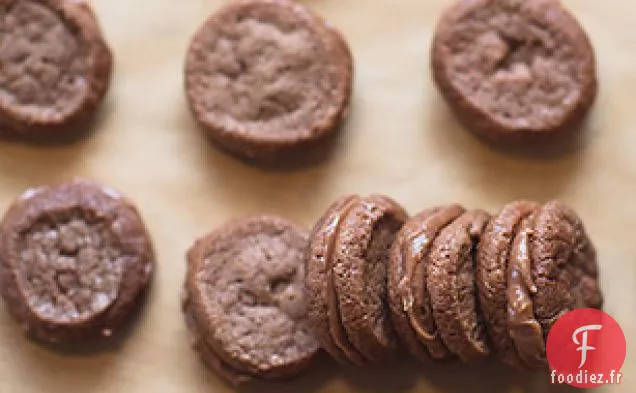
[
  {"x": 564, "y": 267},
  {"x": 245, "y": 299},
  {"x": 54, "y": 65},
  {"x": 491, "y": 275},
  {"x": 360, "y": 268},
  {"x": 323, "y": 309},
  {"x": 346, "y": 278},
  {"x": 74, "y": 260},
  {"x": 267, "y": 76},
  {"x": 409, "y": 296},
  {"x": 514, "y": 68},
  {"x": 451, "y": 284},
  {"x": 399, "y": 289},
  {"x": 534, "y": 264}
]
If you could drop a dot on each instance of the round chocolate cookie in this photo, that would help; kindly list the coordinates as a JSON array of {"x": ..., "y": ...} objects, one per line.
[
  {"x": 514, "y": 70},
  {"x": 54, "y": 67},
  {"x": 346, "y": 278},
  {"x": 359, "y": 264},
  {"x": 451, "y": 285},
  {"x": 75, "y": 260},
  {"x": 323, "y": 311},
  {"x": 564, "y": 265},
  {"x": 409, "y": 298},
  {"x": 265, "y": 78},
  {"x": 534, "y": 264},
  {"x": 245, "y": 302},
  {"x": 491, "y": 276}
]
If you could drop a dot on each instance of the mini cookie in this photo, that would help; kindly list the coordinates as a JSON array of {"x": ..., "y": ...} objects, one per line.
[
  {"x": 245, "y": 301},
  {"x": 346, "y": 278},
  {"x": 451, "y": 285},
  {"x": 564, "y": 265},
  {"x": 323, "y": 310},
  {"x": 75, "y": 260},
  {"x": 409, "y": 298},
  {"x": 514, "y": 70},
  {"x": 547, "y": 265},
  {"x": 265, "y": 78},
  {"x": 491, "y": 275},
  {"x": 54, "y": 66}
]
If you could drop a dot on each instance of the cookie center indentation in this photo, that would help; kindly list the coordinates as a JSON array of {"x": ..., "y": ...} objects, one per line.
[
  {"x": 69, "y": 268},
  {"x": 42, "y": 64}
]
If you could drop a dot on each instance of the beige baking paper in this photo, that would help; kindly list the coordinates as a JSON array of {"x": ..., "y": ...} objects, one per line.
[{"x": 400, "y": 140}]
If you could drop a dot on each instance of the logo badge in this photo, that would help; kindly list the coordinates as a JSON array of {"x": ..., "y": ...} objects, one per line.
[{"x": 586, "y": 348}]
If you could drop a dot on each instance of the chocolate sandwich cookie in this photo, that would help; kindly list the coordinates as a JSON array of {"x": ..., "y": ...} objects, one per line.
[
  {"x": 75, "y": 260},
  {"x": 564, "y": 264},
  {"x": 451, "y": 286},
  {"x": 245, "y": 302},
  {"x": 491, "y": 275},
  {"x": 323, "y": 309},
  {"x": 534, "y": 264},
  {"x": 55, "y": 67},
  {"x": 514, "y": 70},
  {"x": 409, "y": 297},
  {"x": 266, "y": 78},
  {"x": 346, "y": 278}
]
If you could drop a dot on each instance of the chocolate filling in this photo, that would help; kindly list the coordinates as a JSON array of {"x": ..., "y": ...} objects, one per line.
[
  {"x": 523, "y": 327},
  {"x": 463, "y": 330},
  {"x": 416, "y": 302}
]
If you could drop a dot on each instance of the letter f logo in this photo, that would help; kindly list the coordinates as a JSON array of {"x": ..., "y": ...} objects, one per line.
[{"x": 583, "y": 344}]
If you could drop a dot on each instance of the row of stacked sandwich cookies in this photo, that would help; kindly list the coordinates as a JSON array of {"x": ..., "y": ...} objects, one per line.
[{"x": 262, "y": 295}]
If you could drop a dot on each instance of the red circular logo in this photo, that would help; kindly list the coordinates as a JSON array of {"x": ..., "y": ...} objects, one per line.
[{"x": 586, "y": 348}]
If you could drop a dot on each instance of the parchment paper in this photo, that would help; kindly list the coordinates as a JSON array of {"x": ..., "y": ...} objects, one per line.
[{"x": 400, "y": 140}]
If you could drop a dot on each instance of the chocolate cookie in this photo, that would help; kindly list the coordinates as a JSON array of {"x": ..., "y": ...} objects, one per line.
[
  {"x": 451, "y": 285},
  {"x": 491, "y": 275},
  {"x": 54, "y": 66},
  {"x": 75, "y": 260},
  {"x": 245, "y": 301},
  {"x": 514, "y": 70},
  {"x": 535, "y": 263},
  {"x": 346, "y": 278},
  {"x": 564, "y": 265},
  {"x": 265, "y": 78},
  {"x": 323, "y": 311},
  {"x": 409, "y": 297}
]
